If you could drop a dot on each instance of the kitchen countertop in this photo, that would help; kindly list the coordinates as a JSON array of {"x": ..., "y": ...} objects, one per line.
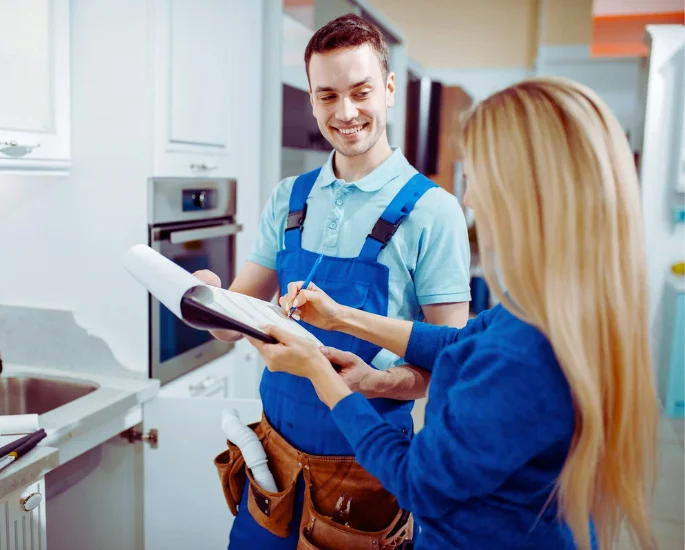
[{"x": 79, "y": 426}]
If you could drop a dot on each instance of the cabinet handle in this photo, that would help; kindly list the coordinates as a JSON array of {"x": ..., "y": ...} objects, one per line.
[
  {"x": 31, "y": 502},
  {"x": 202, "y": 167},
  {"x": 14, "y": 149},
  {"x": 201, "y": 386}
]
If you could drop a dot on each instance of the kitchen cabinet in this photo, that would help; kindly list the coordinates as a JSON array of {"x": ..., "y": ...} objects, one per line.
[
  {"x": 22, "y": 526},
  {"x": 195, "y": 83},
  {"x": 184, "y": 505},
  {"x": 162, "y": 493},
  {"x": 35, "y": 91},
  {"x": 210, "y": 380}
]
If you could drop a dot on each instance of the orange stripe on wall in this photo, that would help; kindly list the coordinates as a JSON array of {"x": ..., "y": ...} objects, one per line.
[{"x": 624, "y": 35}]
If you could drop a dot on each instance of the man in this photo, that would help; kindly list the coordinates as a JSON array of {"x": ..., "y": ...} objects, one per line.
[{"x": 393, "y": 243}]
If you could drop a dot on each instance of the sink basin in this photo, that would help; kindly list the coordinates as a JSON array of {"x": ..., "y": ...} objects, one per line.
[{"x": 28, "y": 395}]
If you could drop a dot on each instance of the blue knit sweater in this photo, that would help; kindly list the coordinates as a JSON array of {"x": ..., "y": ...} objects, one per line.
[{"x": 499, "y": 423}]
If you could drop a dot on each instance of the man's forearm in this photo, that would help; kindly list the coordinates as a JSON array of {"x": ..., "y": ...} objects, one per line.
[{"x": 404, "y": 383}]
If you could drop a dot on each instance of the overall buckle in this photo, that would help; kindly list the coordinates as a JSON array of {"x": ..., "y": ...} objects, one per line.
[
  {"x": 383, "y": 231},
  {"x": 296, "y": 219}
]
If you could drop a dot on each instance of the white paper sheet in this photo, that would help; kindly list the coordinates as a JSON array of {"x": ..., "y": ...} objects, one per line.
[{"x": 256, "y": 313}]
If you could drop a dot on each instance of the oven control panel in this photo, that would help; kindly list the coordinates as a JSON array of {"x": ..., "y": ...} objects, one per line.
[{"x": 198, "y": 199}]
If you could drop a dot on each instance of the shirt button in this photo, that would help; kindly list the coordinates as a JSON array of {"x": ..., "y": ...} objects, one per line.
[
  {"x": 332, "y": 225},
  {"x": 339, "y": 202}
]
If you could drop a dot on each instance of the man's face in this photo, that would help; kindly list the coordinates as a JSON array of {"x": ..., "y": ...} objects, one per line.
[{"x": 350, "y": 97}]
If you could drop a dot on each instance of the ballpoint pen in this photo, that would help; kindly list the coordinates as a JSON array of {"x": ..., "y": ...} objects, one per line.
[
  {"x": 22, "y": 449},
  {"x": 307, "y": 281},
  {"x": 4, "y": 451}
]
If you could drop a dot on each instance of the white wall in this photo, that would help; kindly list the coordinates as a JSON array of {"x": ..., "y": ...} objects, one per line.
[
  {"x": 112, "y": 144},
  {"x": 62, "y": 238}
]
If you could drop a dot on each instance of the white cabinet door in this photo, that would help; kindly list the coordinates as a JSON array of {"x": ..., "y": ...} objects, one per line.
[
  {"x": 200, "y": 77},
  {"x": 22, "y": 521},
  {"x": 34, "y": 94},
  {"x": 184, "y": 503},
  {"x": 195, "y": 86},
  {"x": 245, "y": 375}
]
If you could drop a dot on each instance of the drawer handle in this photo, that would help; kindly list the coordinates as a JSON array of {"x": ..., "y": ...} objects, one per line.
[
  {"x": 14, "y": 149},
  {"x": 206, "y": 383},
  {"x": 202, "y": 167},
  {"x": 31, "y": 502}
]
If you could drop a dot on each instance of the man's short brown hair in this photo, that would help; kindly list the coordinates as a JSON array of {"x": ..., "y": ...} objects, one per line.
[{"x": 348, "y": 31}]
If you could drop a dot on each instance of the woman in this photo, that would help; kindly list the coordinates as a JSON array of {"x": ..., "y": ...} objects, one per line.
[{"x": 542, "y": 411}]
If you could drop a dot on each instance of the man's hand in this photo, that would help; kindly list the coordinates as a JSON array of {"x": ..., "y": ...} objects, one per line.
[
  {"x": 208, "y": 277},
  {"x": 212, "y": 279},
  {"x": 358, "y": 376}
]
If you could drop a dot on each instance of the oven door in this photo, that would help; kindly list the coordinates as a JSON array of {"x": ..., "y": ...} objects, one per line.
[{"x": 175, "y": 348}]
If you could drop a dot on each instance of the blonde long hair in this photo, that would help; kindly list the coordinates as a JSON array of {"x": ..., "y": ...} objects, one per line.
[{"x": 553, "y": 185}]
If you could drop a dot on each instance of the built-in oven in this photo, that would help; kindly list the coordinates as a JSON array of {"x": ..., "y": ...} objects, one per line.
[{"x": 193, "y": 223}]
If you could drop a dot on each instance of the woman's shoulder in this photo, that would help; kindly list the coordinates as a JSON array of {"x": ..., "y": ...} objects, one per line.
[
  {"x": 507, "y": 348},
  {"x": 515, "y": 337}
]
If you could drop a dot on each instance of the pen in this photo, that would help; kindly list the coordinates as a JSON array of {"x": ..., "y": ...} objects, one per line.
[
  {"x": 22, "y": 449},
  {"x": 308, "y": 280},
  {"x": 4, "y": 451}
]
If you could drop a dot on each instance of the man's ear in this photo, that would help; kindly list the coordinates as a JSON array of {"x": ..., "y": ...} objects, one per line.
[
  {"x": 311, "y": 99},
  {"x": 390, "y": 90}
]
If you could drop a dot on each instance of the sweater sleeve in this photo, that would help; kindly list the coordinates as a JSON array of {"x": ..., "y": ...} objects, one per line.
[
  {"x": 427, "y": 341},
  {"x": 494, "y": 421}
]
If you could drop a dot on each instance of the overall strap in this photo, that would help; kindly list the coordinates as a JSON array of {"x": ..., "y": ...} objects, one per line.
[
  {"x": 297, "y": 209},
  {"x": 398, "y": 209}
]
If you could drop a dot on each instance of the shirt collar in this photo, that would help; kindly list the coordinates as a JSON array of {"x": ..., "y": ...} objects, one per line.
[{"x": 389, "y": 169}]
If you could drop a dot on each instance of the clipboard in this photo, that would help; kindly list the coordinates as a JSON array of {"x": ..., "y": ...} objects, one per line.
[{"x": 202, "y": 316}]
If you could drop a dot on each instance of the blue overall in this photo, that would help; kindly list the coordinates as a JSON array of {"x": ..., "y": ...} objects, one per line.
[{"x": 290, "y": 402}]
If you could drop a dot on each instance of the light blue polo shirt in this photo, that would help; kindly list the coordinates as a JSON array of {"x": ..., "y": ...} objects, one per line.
[{"x": 428, "y": 257}]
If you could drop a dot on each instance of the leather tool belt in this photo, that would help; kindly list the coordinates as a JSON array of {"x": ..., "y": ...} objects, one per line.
[{"x": 345, "y": 507}]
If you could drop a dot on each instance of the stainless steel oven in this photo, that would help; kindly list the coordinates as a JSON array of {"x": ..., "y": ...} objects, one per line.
[{"x": 191, "y": 222}]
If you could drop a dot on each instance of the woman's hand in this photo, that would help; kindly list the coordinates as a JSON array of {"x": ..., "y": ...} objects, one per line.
[
  {"x": 313, "y": 305},
  {"x": 302, "y": 357},
  {"x": 292, "y": 354}
]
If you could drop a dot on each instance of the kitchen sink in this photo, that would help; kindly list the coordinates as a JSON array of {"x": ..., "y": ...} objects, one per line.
[{"x": 29, "y": 395}]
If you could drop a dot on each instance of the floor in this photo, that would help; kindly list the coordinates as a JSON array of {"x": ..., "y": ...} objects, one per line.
[{"x": 668, "y": 507}]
